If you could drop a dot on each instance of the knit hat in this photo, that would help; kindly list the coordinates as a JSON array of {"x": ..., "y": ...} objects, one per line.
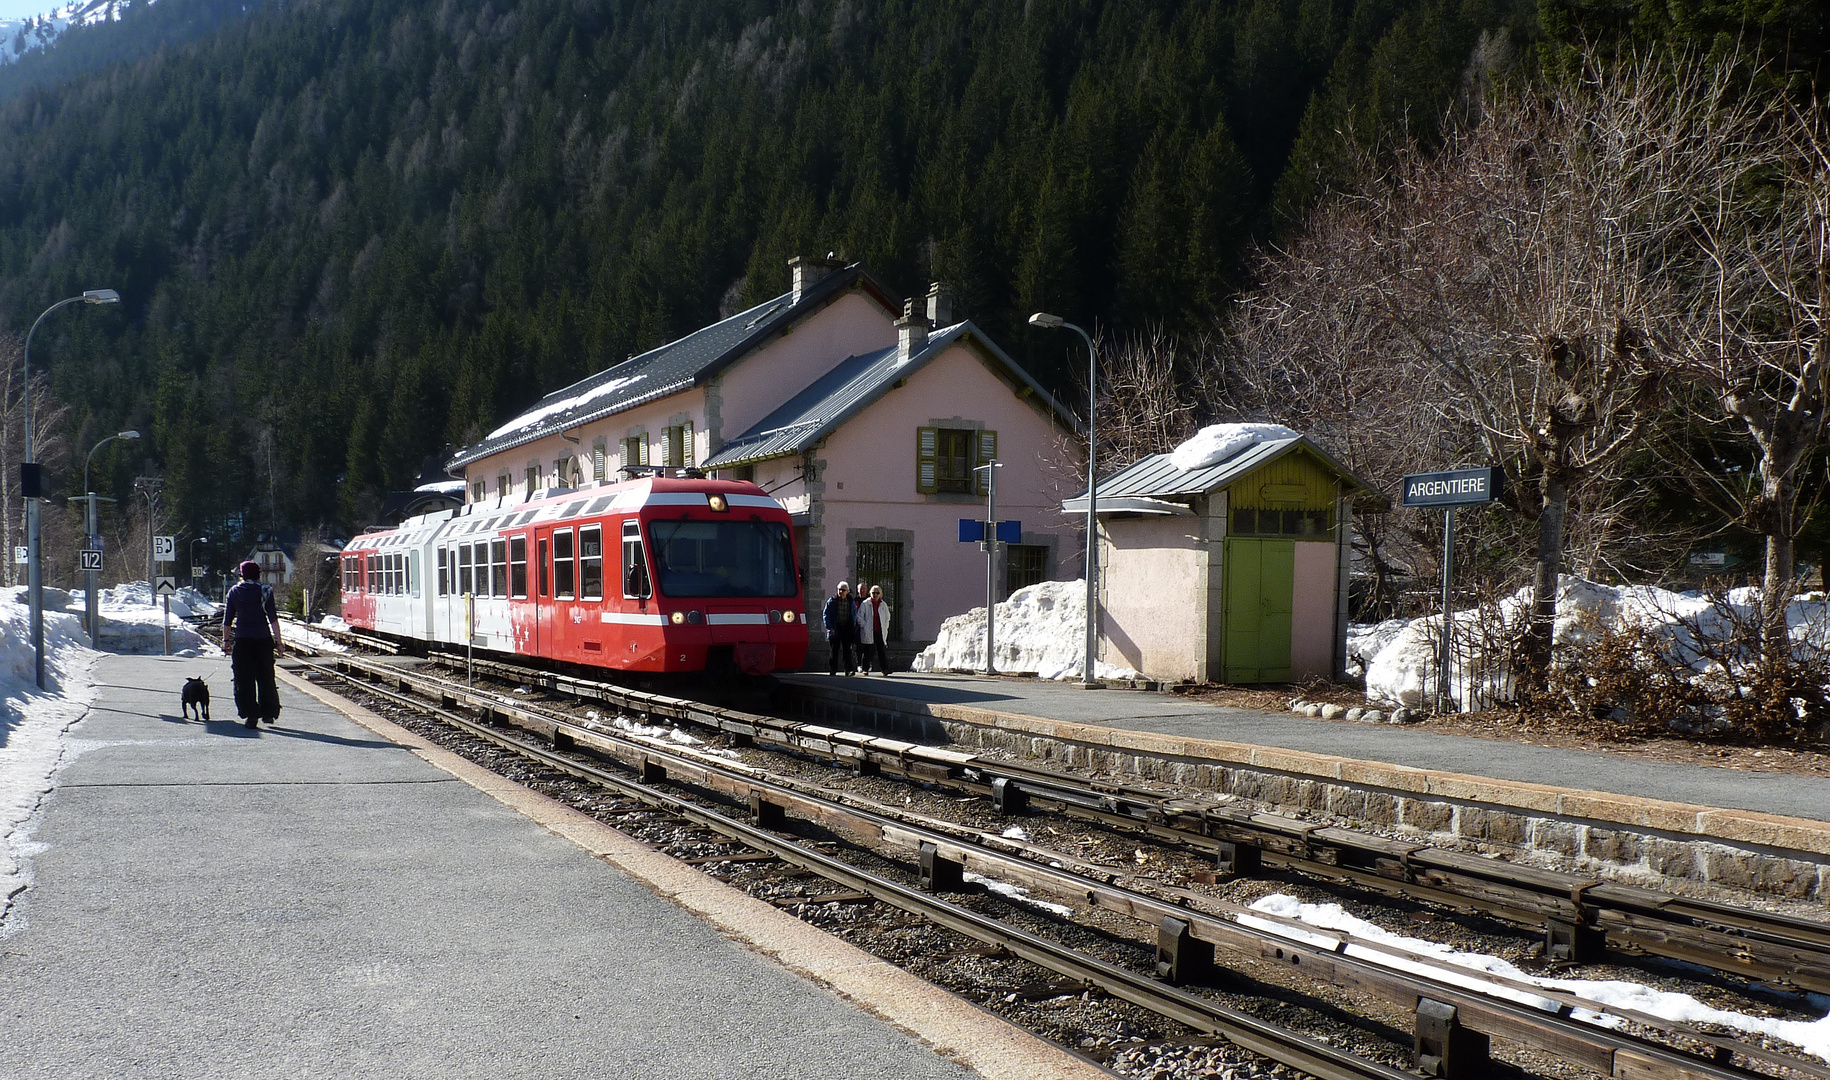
[{"x": 250, "y": 569}]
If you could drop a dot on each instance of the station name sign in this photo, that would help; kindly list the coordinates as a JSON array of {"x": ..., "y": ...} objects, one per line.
[{"x": 1458, "y": 487}]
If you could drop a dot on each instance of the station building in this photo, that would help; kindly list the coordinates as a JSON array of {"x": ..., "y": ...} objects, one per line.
[
  {"x": 868, "y": 417},
  {"x": 1232, "y": 572}
]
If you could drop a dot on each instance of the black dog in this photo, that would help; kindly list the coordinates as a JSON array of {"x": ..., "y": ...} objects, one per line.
[{"x": 196, "y": 695}]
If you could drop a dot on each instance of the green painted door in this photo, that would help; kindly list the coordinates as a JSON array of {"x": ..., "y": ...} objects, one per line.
[{"x": 1260, "y": 586}]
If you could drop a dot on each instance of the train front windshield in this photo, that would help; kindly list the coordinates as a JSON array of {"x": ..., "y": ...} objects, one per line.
[{"x": 723, "y": 558}]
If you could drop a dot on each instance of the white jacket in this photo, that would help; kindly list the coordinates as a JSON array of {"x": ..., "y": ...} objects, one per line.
[{"x": 864, "y": 621}]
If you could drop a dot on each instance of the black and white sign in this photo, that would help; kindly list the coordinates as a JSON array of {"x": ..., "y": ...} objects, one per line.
[
  {"x": 1458, "y": 487},
  {"x": 92, "y": 559},
  {"x": 22, "y": 555},
  {"x": 165, "y": 586},
  {"x": 165, "y": 548}
]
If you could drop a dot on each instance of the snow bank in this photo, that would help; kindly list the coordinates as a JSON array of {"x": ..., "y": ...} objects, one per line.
[
  {"x": 1212, "y": 445},
  {"x": 1402, "y": 656},
  {"x": 133, "y": 624},
  {"x": 1041, "y": 628}
]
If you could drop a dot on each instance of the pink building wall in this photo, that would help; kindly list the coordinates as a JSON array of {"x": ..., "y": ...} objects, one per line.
[
  {"x": 1312, "y": 625},
  {"x": 746, "y": 392},
  {"x": 1156, "y": 629},
  {"x": 868, "y": 476}
]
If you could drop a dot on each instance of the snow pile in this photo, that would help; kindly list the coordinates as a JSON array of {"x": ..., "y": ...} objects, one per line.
[
  {"x": 1041, "y": 628},
  {"x": 1402, "y": 656},
  {"x": 1431, "y": 958},
  {"x": 1212, "y": 445},
  {"x": 32, "y": 721},
  {"x": 133, "y": 624}
]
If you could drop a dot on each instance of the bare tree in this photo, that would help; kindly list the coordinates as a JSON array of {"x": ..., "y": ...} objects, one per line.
[
  {"x": 48, "y": 419},
  {"x": 1144, "y": 407}
]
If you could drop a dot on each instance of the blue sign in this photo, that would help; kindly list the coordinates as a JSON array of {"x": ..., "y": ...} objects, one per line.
[
  {"x": 1006, "y": 532},
  {"x": 1459, "y": 487}
]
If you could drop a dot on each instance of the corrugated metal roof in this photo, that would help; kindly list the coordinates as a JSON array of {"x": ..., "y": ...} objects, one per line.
[
  {"x": 836, "y": 396},
  {"x": 1157, "y": 477},
  {"x": 660, "y": 371}
]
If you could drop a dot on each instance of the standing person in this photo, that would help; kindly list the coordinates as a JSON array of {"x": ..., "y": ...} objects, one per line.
[
  {"x": 251, "y": 637},
  {"x": 841, "y": 621},
  {"x": 873, "y": 629}
]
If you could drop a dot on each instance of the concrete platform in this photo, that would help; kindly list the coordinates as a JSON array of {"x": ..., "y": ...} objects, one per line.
[
  {"x": 1778, "y": 810},
  {"x": 317, "y": 900}
]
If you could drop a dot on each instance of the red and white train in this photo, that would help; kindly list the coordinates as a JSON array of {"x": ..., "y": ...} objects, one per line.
[{"x": 653, "y": 574}]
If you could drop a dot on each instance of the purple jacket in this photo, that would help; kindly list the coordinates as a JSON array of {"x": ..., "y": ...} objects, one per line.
[{"x": 249, "y": 610}]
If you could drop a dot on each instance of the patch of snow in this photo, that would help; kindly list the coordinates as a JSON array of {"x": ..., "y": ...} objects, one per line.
[
  {"x": 534, "y": 416},
  {"x": 1042, "y": 628},
  {"x": 1212, "y": 445},
  {"x": 1813, "y": 1036},
  {"x": 1016, "y": 893},
  {"x": 21, "y": 36},
  {"x": 1402, "y": 656}
]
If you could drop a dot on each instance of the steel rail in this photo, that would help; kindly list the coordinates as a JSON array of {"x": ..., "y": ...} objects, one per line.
[
  {"x": 1607, "y": 1052},
  {"x": 1269, "y": 1040}
]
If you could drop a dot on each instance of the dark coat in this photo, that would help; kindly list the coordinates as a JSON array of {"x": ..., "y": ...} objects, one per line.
[{"x": 840, "y": 616}]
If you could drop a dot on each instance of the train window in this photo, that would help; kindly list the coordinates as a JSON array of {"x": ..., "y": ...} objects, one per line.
[
  {"x": 517, "y": 567},
  {"x": 464, "y": 580},
  {"x": 444, "y": 572},
  {"x": 413, "y": 573},
  {"x": 394, "y": 575},
  {"x": 371, "y": 582},
  {"x": 479, "y": 556},
  {"x": 540, "y": 567},
  {"x": 723, "y": 558},
  {"x": 635, "y": 567},
  {"x": 498, "y": 568},
  {"x": 562, "y": 565},
  {"x": 591, "y": 563}
]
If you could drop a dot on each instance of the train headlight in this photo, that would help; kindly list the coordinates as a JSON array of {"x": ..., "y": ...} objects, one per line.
[
  {"x": 717, "y": 503},
  {"x": 787, "y": 616},
  {"x": 677, "y": 618},
  {"x": 695, "y": 617},
  {"x": 775, "y": 615}
]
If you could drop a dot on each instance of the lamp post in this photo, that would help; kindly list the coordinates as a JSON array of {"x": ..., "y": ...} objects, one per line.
[
  {"x": 32, "y": 484},
  {"x": 1088, "y": 679},
  {"x": 91, "y": 598}
]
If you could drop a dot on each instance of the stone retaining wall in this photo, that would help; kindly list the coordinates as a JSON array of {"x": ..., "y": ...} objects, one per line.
[{"x": 1479, "y": 818}]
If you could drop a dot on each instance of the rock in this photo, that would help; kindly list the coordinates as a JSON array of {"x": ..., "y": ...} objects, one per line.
[
  {"x": 1373, "y": 716},
  {"x": 1356, "y": 714},
  {"x": 1333, "y": 712},
  {"x": 1401, "y": 716},
  {"x": 1312, "y": 710}
]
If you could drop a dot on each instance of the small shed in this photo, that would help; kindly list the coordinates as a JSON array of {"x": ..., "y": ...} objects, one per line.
[{"x": 1233, "y": 570}]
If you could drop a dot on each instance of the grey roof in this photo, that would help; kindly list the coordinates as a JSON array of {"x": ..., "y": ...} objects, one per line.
[
  {"x": 841, "y": 393},
  {"x": 665, "y": 370},
  {"x": 1156, "y": 477}
]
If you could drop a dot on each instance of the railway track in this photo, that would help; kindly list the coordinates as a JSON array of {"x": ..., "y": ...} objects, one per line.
[{"x": 1452, "y": 1023}]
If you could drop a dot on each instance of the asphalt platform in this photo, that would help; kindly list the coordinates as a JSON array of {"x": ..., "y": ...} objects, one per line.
[
  {"x": 1009, "y": 702},
  {"x": 315, "y": 900}
]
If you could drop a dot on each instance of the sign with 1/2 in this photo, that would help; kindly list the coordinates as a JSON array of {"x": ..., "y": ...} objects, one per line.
[
  {"x": 92, "y": 559},
  {"x": 165, "y": 548},
  {"x": 1458, "y": 487}
]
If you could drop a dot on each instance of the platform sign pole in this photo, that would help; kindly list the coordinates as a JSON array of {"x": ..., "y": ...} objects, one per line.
[
  {"x": 168, "y": 623},
  {"x": 1446, "y": 671},
  {"x": 990, "y": 469},
  {"x": 1449, "y": 491}
]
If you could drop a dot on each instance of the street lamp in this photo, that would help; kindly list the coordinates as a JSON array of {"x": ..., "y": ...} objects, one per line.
[
  {"x": 92, "y": 599},
  {"x": 1088, "y": 674},
  {"x": 32, "y": 484}
]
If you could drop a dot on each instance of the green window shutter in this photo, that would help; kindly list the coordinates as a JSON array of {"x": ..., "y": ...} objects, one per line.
[
  {"x": 597, "y": 461},
  {"x": 927, "y": 454},
  {"x": 686, "y": 443},
  {"x": 988, "y": 452}
]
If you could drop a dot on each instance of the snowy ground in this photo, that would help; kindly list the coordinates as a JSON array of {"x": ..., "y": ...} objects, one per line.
[{"x": 33, "y": 721}]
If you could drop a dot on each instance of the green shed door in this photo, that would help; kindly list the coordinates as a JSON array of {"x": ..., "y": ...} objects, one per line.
[{"x": 1260, "y": 586}]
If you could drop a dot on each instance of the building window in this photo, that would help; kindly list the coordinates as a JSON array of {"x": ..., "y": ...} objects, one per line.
[
  {"x": 476, "y": 491},
  {"x": 533, "y": 478},
  {"x": 677, "y": 446},
  {"x": 1025, "y": 565},
  {"x": 945, "y": 459},
  {"x": 880, "y": 563},
  {"x": 562, "y": 472},
  {"x": 746, "y": 473},
  {"x": 597, "y": 460},
  {"x": 502, "y": 486},
  {"x": 1248, "y": 522},
  {"x": 635, "y": 451}
]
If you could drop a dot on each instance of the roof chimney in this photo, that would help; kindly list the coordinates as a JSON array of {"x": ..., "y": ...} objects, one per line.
[
  {"x": 911, "y": 332},
  {"x": 808, "y": 270},
  {"x": 940, "y": 304}
]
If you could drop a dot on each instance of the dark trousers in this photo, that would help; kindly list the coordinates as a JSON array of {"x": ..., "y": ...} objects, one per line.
[
  {"x": 867, "y": 650},
  {"x": 839, "y": 643},
  {"x": 256, "y": 696}
]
